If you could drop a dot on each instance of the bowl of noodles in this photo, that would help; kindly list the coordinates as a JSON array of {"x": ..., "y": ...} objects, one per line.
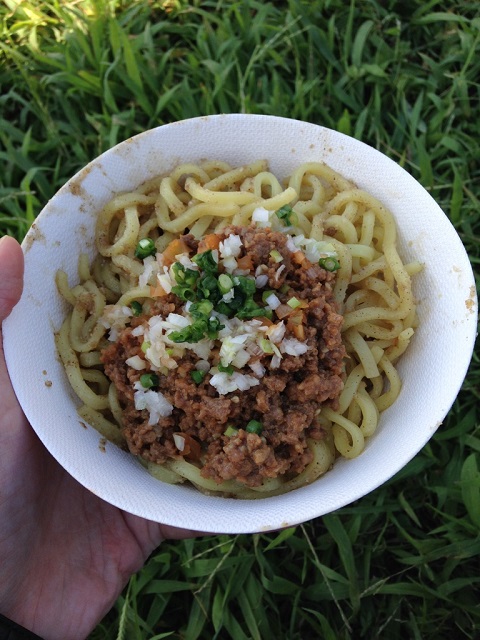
[{"x": 238, "y": 323}]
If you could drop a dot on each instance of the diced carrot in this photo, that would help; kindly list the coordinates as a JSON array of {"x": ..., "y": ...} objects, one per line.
[
  {"x": 245, "y": 263},
  {"x": 210, "y": 241},
  {"x": 299, "y": 332},
  {"x": 295, "y": 324},
  {"x": 173, "y": 249},
  {"x": 157, "y": 292},
  {"x": 298, "y": 257},
  {"x": 192, "y": 448}
]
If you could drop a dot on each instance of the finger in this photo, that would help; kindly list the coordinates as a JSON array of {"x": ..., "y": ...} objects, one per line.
[
  {"x": 11, "y": 285},
  {"x": 173, "y": 533},
  {"x": 11, "y": 275}
]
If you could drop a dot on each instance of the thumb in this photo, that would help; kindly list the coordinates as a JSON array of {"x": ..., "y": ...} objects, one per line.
[{"x": 11, "y": 275}]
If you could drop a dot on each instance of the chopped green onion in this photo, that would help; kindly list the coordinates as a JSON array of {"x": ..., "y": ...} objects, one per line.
[
  {"x": 245, "y": 284},
  {"x": 225, "y": 283},
  {"x": 184, "y": 292},
  {"x": 136, "y": 308},
  {"x": 190, "y": 277},
  {"x": 178, "y": 271},
  {"x": 201, "y": 309},
  {"x": 254, "y": 426},
  {"x": 198, "y": 376},
  {"x": 225, "y": 309},
  {"x": 276, "y": 255},
  {"x": 213, "y": 327},
  {"x": 229, "y": 369},
  {"x": 230, "y": 431},
  {"x": 206, "y": 261},
  {"x": 192, "y": 333},
  {"x": 208, "y": 286},
  {"x": 149, "y": 380},
  {"x": 294, "y": 302},
  {"x": 145, "y": 346},
  {"x": 285, "y": 214},
  {"x": 250, "y": 309},
  {"x": 284, "y": 288},
  {"x": 146, "y": 247},
  {"x": 183, "y": 275},
  {"x": 329, "y": 264},
  {"x": 197, "y": 331}
]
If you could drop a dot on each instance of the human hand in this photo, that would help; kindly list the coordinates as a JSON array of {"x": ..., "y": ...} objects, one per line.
[{"x": 65, "y": 554}]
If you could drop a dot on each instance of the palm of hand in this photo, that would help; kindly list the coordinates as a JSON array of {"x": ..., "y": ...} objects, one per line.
[
  {"x": 64, "y": 549},
  {"x": 65, "y": 554}
]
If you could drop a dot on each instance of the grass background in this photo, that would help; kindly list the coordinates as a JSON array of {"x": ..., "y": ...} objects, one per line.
[{"x": 78, "y": 77}]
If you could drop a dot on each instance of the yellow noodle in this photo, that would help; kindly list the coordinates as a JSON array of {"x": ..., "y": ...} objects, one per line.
[
  {"x": 74, "y": 374},
  {"x": 191, "y": 215},
  {"x": 107, "y": 429},
  {"x": 190, "y": 169},
  {"x": 233, "y": 176},
  {"x": 217, "y": 197},
  {"x": 363, "y": 353},
  {"x": 127, "y": 238},
  {"x": 369, "y": 412},
  {"x": 167, "y": 192}
]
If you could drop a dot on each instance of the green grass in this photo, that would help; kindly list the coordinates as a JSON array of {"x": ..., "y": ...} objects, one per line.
[{"x": 78, "y": 77}]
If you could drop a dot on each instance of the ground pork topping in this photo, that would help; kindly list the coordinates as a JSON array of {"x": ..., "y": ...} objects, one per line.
[{"x": 237, "y": 348}]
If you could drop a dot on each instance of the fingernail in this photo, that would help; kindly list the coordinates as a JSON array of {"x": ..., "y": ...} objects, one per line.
[{"x": 4, "y": 239}]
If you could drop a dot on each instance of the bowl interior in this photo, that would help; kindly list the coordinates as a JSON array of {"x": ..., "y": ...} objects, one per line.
[{"x": 432, "y": 370}]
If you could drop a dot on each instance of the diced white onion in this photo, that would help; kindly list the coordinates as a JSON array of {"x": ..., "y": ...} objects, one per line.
[
  {"x": 230, "y": 264},
  {"x": 279, "y": 271},
  {"x": 293, "y": 347},
  {"x": 136, "y": 362},
  {"x": 254, "y": 349},
  {"x": 202, "y": 349},
  {"x": 230, "y": 347},
  {"x": 257, "y": 368},
  {"x": 176, "y": 321},
  {"x": 225, "y": 383},
  {"x": 230, "y": 246},
  {"x": 186, "y": 262},
  {"x": 273, "y": 301},
  {"x": 149, "y": 266},
  {"x": 276, "y": 332},
  {"x": 275, "y": 362},
  {"x": 179, "y": 441},
  {"x": 154, "y": 401},
  {"x": 260, "y": 214},
  {"x": 261, "y": 281},
  {"x": 241, "y": 359},
  {"x": 291, "y": 246},
  {"x": 165, "y": 282}
]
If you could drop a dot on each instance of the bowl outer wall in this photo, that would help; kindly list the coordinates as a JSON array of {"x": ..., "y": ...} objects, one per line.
[{"x": 432, "y": 370}]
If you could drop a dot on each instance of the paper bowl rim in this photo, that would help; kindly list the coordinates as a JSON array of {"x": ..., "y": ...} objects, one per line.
[{"x": 225, "y": 514}]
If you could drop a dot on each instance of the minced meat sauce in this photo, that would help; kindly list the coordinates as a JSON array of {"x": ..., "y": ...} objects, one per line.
[{"x": 284, "y": 401}]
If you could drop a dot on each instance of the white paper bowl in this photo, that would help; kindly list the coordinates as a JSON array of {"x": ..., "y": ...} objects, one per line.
[{"x": 432, "y": 370}]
